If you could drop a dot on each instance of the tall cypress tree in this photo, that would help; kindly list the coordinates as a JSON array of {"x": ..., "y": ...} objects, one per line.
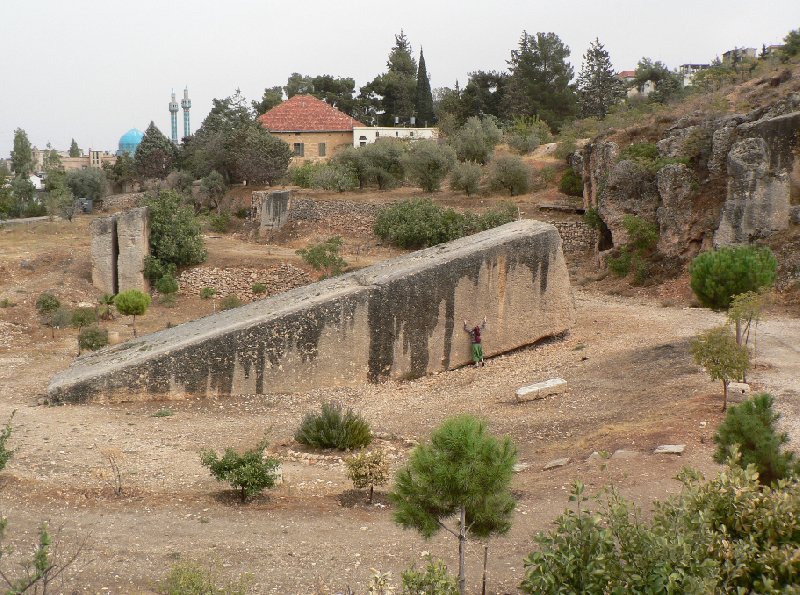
[
  {"x": 424, "y": 103},
  {"x": 22, "y": 155},
  {"x": 155, "y": 155},
  {"x": 74, "y": 149},
  {"x": 598, "y": 88}
]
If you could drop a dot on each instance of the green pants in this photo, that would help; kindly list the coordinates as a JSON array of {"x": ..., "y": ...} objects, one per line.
[{"x": 477, "y": 352}]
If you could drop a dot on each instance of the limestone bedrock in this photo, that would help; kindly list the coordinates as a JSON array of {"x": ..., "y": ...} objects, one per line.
[{"x": 398, "y": 319}]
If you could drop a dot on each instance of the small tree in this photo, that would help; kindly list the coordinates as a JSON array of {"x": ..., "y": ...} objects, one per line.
[
  {"x": 92, "y": 338},
  {"x": 719, "y": 275},
  {"x": 752, "y": 425},
  {"x": 214, "y": 188},
  {"x": 476, "y": 139},
  {"x": 465, "y": 472},
  {"x": 745, "y": 313},
  {"x": 47, "y": 303},
  {"x": 61, "y": 318},
  {"x": 466, "y": 177},
  {"x": 132, "y": 303},
  {"x": 509, "y": 172},
  {"x": 82, "y": 317},
  {"x": 722, "y": 357},
  {"x": 333, "y": 427},
  {"x": 167, "y": 285},
  {"x": 248, "y": 472},
  {"x": 426, "y": 164},
  {"x": 325, "y": 257},
  {"x": 368, "y": 469}
]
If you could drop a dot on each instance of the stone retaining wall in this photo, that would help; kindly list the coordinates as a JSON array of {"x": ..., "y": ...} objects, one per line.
[
  {"x": 577, "y": 236},
  {"x": 397, "y": 319}
]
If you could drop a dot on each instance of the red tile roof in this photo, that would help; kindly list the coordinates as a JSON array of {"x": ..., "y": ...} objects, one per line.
[
  {"x": 305, "y": 113},
  {"x": 627, "y": 74}
]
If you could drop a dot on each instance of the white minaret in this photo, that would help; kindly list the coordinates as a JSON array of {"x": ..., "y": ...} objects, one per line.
[
  {"x": 186, "y": 104},
  {"x": 173, "y": 114}
]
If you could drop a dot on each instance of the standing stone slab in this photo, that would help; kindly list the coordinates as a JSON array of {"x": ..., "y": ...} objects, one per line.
[
  {"x": 272, "y": 209},
  {"x": 104, "y": 254},
  {"x": 396, "y": 320},
  {"x": 133, "y": 237}
]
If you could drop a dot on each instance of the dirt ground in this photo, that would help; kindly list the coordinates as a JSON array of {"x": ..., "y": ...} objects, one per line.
[{"x": 632, "y": 386}]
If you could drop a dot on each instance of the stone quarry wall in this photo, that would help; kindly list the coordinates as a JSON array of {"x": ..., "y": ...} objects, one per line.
[
  {"x": 741, "y": 186},
  {"x": 398, "y": 319},
  {"x": 577, "y": 237},
  {"x": 120, "y": 244}
]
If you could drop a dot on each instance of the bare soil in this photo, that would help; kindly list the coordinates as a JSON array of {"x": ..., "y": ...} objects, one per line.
[{"x": 632, "y": 386}]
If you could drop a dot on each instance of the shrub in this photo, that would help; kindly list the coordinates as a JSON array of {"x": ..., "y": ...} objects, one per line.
[
  {"x": 571, "y": 183},
  {"x": 175, "y": 234},
  {"x": 219, "y": 222},
  {"x": 206, "y": 293},
  {"x": 132, "y": 303},
  {"x": 476, "y": 139},
  {"x": 259, "y": 288},
  {"x": 525, "y": 134},
  {"x": 566, "y": 147},
  {"x": 466, "y": 177},
  {"x": 190, "y": 578},
  {"x": 723, "y": 358},
  {"x": 620, "y": 265},
  {"x": 509, "y": 172},
  {"x": 213, "y": 186},
  {"x": 82, "y": 317},
  {"x": 243, "y": 213},
  {"x": 154, "y": 269},
  {"x": 167, "y": 285},
  {"x": 334, "y": 428},
  {"x": 752, "y": 426},
  {"x": 325, "y": 257},
  {"x": 718, "y": 275},
  {"x": 591, "y": 217},
  {"x": 61, "y": 318},
  {"x": 5, "y": 433},
  {"x": 229, "y": 302},
  {"x": 92, "y": 338},
  {"x": 427, "y": 163},
  {"x": 367, "y": 470},
  {"x": 300, "y": 175},
  {"x": 434, "y": 580},
  {"x": 333, "y": 177},
  {"x": 642, "y": 234},
  {"x": 87, "y": 183},
  {"x": 249, "y": 472},
  {"x": 47, "y": 303}
]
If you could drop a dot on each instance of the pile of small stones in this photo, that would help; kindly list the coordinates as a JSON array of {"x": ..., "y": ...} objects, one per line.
[{"x": 240, "y": 281}]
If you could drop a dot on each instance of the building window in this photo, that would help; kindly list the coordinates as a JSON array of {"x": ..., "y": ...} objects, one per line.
[
  {"x": 323, "y": 149},
  {"x": 298, "y": 150}
]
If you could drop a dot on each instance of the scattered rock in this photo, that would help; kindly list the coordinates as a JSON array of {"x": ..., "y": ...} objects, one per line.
[
  {"x": 552, "y": 386},
  {"x": 554, "y": 464},
  {"x": 519, "y": 467},
  {"x": 670, "y": 449},
  {"x": 625, "y": 454}
]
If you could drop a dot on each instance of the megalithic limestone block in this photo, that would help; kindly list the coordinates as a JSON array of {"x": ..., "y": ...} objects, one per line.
[
  {"x": 272, "y": 209},
  {"x": 104, "y": 254},
  {"x": 133, "y": 237},
  {"x": 398, "y": 319}
]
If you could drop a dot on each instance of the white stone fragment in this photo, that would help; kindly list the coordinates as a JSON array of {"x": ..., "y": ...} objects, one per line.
[
  {"x": 670, "y": 449},
  {"x": 552, "y": 386},
  {"x": 557, "y": 463}
]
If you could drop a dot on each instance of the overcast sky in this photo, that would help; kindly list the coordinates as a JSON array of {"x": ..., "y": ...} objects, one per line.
[{"x": 92, "y": 69}]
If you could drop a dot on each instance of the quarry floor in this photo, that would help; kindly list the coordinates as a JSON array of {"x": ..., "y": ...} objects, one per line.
[{"x": 632, "y": 386}]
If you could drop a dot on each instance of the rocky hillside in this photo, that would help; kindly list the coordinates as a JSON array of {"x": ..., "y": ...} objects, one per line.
[{"x": 707, "y": 172}]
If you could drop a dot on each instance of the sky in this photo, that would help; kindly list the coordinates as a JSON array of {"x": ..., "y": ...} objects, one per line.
[{"x": 92, "y": 69}]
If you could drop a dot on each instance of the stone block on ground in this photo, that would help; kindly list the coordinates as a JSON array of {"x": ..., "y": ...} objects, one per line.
[
  {"x": 272, "y": 209},
  {"x": 556, "y": 463},
  {"x": 738, "y": 392},
  {"x": 133, "y": 238},
  {"x": 670, "y": 449},
  {"x": 539, "y": 390},
  {"x": 104, "y": 254}
]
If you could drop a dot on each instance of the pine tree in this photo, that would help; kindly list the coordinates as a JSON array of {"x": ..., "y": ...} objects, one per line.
[
  {"x": 74, "y": 149},
  {"x": 22, "y": 155},
  {"x": 155, "y": 154},
  {"x": 598, "y": 88},
  {"x": 539, "y": 84},
  {"x": 424, "y": 102},
  {"x": 394, "y": 92}
]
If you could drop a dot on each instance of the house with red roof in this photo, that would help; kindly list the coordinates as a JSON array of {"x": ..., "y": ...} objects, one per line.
[{"x": 313, "y": 129}]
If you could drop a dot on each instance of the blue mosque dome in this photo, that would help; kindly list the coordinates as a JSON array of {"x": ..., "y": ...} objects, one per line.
[{"x": 130, "y": 141}]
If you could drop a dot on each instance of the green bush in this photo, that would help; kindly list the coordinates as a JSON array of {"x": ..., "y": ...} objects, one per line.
[
  {"x": 243, "y": 213},
  {"x": 175, "y": 234},
  {"x": 154, "y": 269},
  {"x": 334, "y": 428},
  {"x": 47, "y": 303},
  {"x": 642, "y": 234},
  {"x": 525, "y": 134},
  {"x": 566, "y": 146},
  {"x": 719, "y": 275},
  {"x": 591, "y": 217},
  {"x": 300, "y": 175},
  {"x": 206, "y": 293},
  {"x": 92, "y": 338},
  {"x": 367, "y": 470},
  {"x": 229, "y": 302},
  {"x": 259, "y": 288},
  {"x": 476, "y": 139},
  {"x": 333, "y": 177},
  {"x": 219, "y": 222},
  {"x": 571, "y": 183},
  {"x": 82, "y": 317},
  {"x": 132, "y": 303},
  {"x": 466, "y": 177},
  {"x": 61, "y": 318},
  {"x": 427, "y": 163},
  {"x": 325, "y": 257},
  {"x": 509, "y": 172},
  {"x": 620, "y": 265},
  {"x": 641, "y": 269},
  {"x": 167, "y": 285},
  {"x": 433, "y": 580},
  {"x": 752, "y": 426},
  {"x": 5, "y": 433},
  {"x": 249, "y": 472},
  {"x": 190, "y": 578},
  {"x": 647, "y": 156}
]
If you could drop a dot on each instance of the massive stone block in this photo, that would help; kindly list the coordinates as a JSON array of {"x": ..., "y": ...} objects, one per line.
[
  {"x": 398, "y": 319},
  {"x": 133, "y": 238},
  {"x": 272, "y": 209},
  {"x": 104, "y": 254}
]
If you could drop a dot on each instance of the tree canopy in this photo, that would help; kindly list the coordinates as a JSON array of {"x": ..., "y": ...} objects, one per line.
[
  {"x": 598, "y": 87},
  {"x": 424, "y": 99},
  {"x": 155, "y": 155},
  {"x": 393, "y": 94},
  {"x": 22, "y": 154}
]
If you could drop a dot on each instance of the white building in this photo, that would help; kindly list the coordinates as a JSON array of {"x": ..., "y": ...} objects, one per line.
[{"x": 364, "y": 135}]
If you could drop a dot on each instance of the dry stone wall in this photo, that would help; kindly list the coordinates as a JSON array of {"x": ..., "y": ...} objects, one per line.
[
  {"x": 398, "y": 319},
  {"x": 239, "y": 281},
  {"x": 577, "y": 237}
]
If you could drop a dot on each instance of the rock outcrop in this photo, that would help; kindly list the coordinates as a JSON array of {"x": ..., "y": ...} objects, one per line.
[{"x": 398, "y": 319}]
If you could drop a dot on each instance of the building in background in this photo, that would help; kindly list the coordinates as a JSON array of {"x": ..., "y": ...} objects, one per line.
[
  {"x": 688, "y": 72},
  {"x": 129, "y": 142},
  {"x": 364, "y": 135},
  {"x": 628, "y": 76},
  {"x": 736, "y": 55}
]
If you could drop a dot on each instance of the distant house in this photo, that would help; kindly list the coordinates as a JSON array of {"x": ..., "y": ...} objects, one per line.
[
  {"x": 314, "y": 130},
  {"x": 736, "y": 55},
  {"x": 628, "y": 76},
  {"x": 688, "y": 72},
  {"x": 364, "y": 135}
]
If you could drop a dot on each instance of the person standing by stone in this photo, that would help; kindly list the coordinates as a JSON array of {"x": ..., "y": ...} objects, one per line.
[{"x": 475, "y": 338}]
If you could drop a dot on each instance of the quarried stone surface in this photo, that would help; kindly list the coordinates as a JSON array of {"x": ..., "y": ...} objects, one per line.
[
  {"x": 104, "y": 254},
  {"x": 539, "y": 390},
  {"x": 397, "y": 319},
  {"x": 133, "y": 238},
  {"x": 272, "y": 209},
  {"x": 670, "y": 449}
]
